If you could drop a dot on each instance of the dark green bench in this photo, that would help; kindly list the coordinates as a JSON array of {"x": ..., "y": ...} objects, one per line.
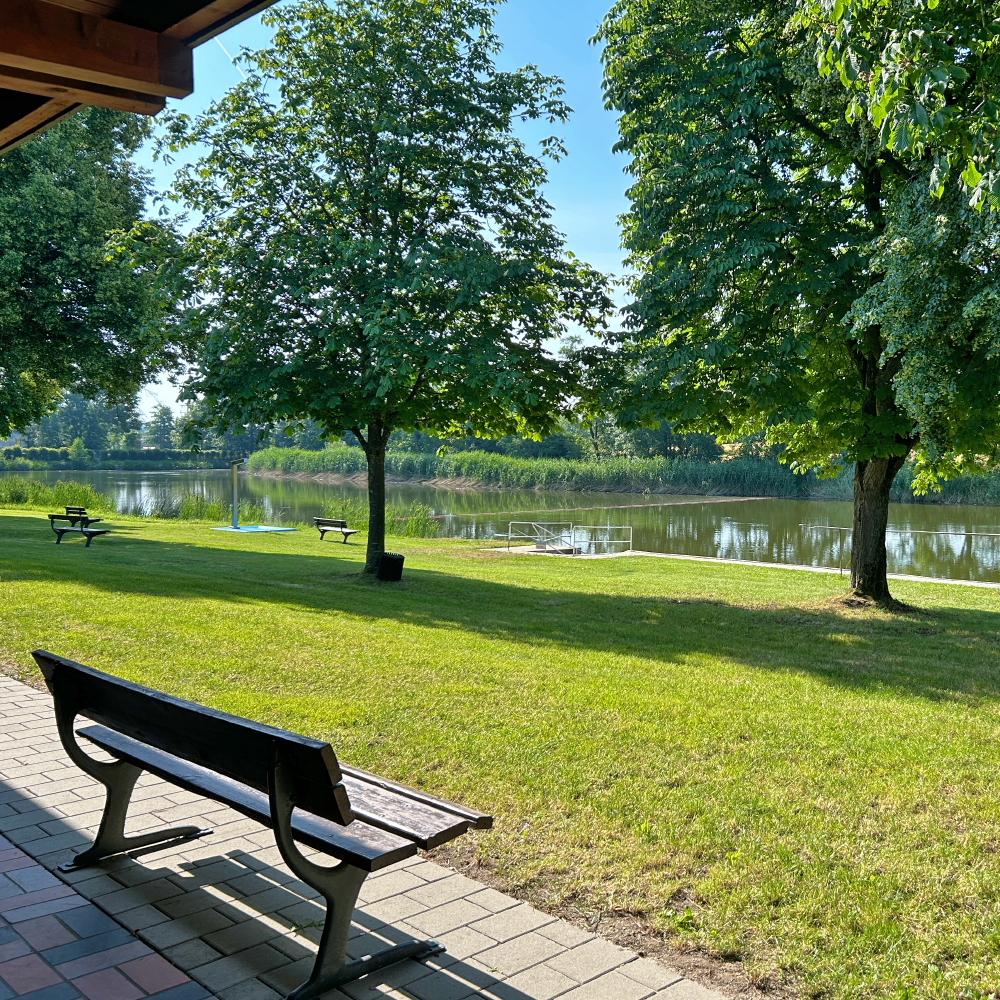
[
  {"x": 290, "y": 783},
  {"x": 326, "y": 524},
  {"x": 79, "y": 523}
]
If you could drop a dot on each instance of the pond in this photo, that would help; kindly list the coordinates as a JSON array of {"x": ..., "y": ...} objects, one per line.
[{"x": 954, "y": 542}]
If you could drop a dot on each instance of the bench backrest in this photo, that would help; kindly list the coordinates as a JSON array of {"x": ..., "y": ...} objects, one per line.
[
  {"x": 76, "y": 510},
  {"x": 237, "y": 748},
  {"x": 330, "y": 522}
]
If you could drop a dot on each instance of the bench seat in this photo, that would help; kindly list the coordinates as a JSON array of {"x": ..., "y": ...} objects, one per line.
[
  {"x": 79, "y": 524},
  {"x": 366, "y": 847}
]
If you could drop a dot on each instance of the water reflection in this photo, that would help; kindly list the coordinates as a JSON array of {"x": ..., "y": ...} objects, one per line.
[{"x": 927, "y": 540}]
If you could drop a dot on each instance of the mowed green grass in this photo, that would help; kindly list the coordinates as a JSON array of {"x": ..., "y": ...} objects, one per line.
[{"x": 759, "y": 771}]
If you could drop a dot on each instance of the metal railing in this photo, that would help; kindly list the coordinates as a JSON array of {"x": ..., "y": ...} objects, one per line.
[
  {"x": 588, "y": 538},
  {"x": 567, "y": 538},
  {"x": 544, "y": 535}
]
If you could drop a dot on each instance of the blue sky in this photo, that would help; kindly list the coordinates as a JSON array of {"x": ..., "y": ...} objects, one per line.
[{"x": 586, "y": 189}]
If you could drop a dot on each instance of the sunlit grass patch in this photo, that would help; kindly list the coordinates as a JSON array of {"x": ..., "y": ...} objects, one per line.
[{"x": 756, "y": 771}]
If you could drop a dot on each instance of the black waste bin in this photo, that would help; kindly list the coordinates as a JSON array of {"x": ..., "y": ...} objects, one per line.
[{"x": 390, "y": 567}]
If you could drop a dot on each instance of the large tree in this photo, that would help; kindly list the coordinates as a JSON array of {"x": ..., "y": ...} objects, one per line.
[
  {"x": 792, "y": 275},
  {"x": 72, "y": 316},
  {"x": 374, "y": 250}
]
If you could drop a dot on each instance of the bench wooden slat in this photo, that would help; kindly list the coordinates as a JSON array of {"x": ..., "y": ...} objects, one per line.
[
  {"x": 237, "y": 748},
  {"x": 427, "y": 826},
  {"x": 477, "y": 820},
  {"x": 364, "y": 846}
]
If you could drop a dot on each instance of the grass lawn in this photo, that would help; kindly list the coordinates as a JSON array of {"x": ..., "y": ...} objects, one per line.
[{"x": 760, "y": 772}]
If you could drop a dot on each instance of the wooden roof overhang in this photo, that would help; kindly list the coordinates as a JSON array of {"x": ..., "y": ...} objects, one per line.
[{"x": 59, "y": 55}]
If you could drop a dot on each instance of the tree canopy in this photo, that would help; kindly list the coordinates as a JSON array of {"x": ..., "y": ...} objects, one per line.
[
  {"x": 71, "y": 315},
  {"x": 792, "y": 274},
  {"x": 374, "y": 250},
  {"x": 924, "y": 74}
]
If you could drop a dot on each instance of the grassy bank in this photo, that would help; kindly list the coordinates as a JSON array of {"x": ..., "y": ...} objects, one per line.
[
  {"x": 738, "y": 477},
  {"x": 735, "y": 477},
  {"x": 757, "y": 771}
]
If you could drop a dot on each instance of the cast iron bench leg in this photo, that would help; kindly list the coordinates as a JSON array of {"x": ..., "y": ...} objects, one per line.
[
  {"x": 119, "y": 779},
  {"x": 339, "y": 886}
]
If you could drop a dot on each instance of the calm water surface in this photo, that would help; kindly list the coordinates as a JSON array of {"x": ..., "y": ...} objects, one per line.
[{"x": 956, "y": 542}]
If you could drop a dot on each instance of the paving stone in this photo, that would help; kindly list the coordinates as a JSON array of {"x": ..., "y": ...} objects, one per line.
[
  {"x": 32, "y": 878},
  {"x": 446, "y": 918},
  {"x": 463, "y": 942},
  {"x": 538, "y": 983},
  {"x": 153, "y": 973},
  {"x": 172, "y": 932},
  {"x": 490, "y": 899},
  {"x": 610, "y": 986},
  {"x": 589, "y": 960},
  {"x": 86, "y": 946},
  {"x": 513, "y": 922},
  {"x": 28, "y": 973},
  {"x": 44, "y": 932},
  {"x": 289, "y": 977},
  {"x": 444, "y": 891},
  {"x": 191, "y": 954},
  {"x": 108, "y": 984},
  {"x": 127, "y": 899},
  {"x": 566, "y": 934},
  {"x": 441, "y": 986},
  {"x": 102, "y": 959},
  {"x": 650, "y": 973},
  {"x": 390, "y": 884},
  {"x": 236, "y": 968},
  {"x": 239, "y": 937},
  {"x": 141, "y": 918},
  {"x": 14, "y": 949},
  {"x": 253, "y": 989},
  {"x": 520, "y": 953},
  {"x": 186, "y": 991},
  {"x": 59, "y": 906}
]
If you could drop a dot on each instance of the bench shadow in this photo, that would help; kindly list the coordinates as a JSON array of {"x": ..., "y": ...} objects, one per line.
[
  {"x": 856, "y": 651},
  {"x": 232, "y": 902}
]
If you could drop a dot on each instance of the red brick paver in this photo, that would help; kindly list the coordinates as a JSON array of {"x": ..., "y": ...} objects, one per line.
[{"x": 73, "y": 950}]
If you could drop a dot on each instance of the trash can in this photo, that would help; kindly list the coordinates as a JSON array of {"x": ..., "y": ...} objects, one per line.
[{"x": 390, "y": 567}]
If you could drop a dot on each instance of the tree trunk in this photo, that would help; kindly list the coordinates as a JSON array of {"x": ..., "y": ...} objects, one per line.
[
  {"x": 872, "y": 480},
  {"x": 376, "y": 498}
]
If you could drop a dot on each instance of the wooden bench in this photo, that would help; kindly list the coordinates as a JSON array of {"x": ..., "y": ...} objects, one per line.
[
  {"x": 326, "y": 524},
  {"x": 290, "y": 783},
  {"x": 79, "y": 523}
]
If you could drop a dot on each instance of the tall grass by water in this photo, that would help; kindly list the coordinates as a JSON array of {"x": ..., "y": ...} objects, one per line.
[
  {"x": 414, "y": 521},
  {"x": 737, "y": 477},
  {"x": 35, "y": 495},
  {"x": 732, "y": 477}
]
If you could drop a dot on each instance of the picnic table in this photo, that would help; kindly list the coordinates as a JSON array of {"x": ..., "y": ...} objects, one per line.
[{"x": 79, "y": 523}]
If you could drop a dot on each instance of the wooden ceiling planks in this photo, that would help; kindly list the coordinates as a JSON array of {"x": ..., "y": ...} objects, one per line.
[{"x": 59, "y": 55}]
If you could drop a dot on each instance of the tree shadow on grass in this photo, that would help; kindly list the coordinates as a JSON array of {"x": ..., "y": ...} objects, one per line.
[{"x": 942, "y": 653}]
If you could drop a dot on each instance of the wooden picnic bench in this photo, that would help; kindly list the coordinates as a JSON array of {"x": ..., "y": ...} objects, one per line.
[
  {"x": 326, "y": 524},
  {"x": 79, "y": 523},
  {"x": 290, "y": 783}
]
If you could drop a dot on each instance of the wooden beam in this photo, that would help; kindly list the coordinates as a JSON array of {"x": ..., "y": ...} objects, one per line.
[
  {"x": 47, "y": 39},
  {"x": 57, "y": 89},
  {"x": 213, "y": 19},
  {"x": 26, "y": 125}
]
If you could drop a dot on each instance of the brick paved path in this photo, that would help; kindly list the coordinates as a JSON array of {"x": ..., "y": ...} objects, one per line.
[{"x": 226, "y": 911}]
